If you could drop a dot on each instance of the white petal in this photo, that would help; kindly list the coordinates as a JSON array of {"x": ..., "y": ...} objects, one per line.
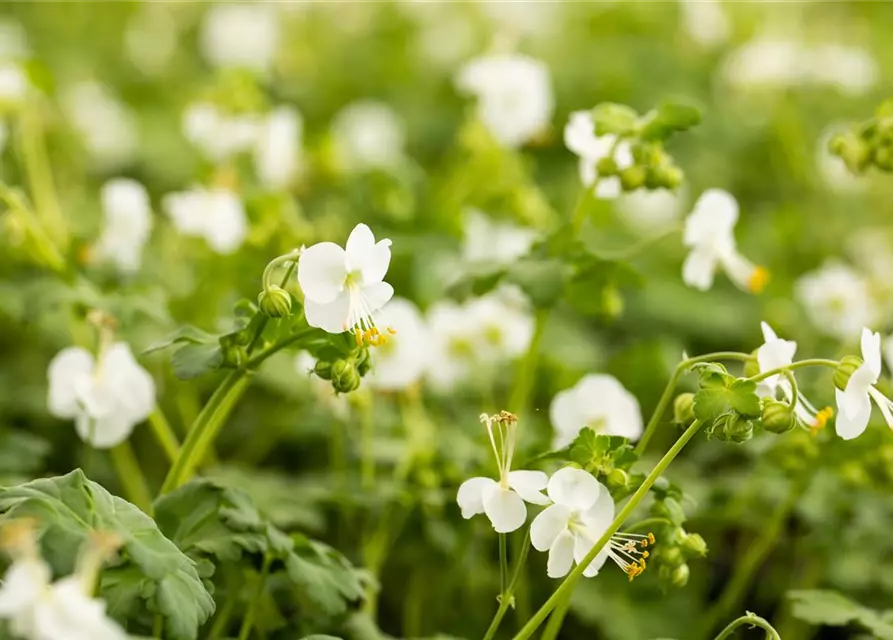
[
  {"x": 566, "y": 417},
  {"x": 134, "y": 388},
  {"x": 775, "y": 354},
  {"x": 470, "y": 496},
  {"x": 601, "y": 514},
  {"x": 322, "y": 270},
  {"x": 330, "y": 316},
  {"x": 104, "y": 432},
  {"x": 360, "y": 247},
  {"x": 226, "y": 229},
  {"x": 505, "y": 508},
  {"x": 69, "y": 365},
  {"x": 377, "y": 295},
  {"x": 856, "y": 392},
  {"x": 849, "y": 427},
  {"x": 561, "y": 555},
  {"x": 608, "y": 188},
  {"x": 22, "y": 586},
  {"x": 768, "y": 333},
  {"x": 529, "y": 485},
  {"x": 583, "y": 543},
  {"x": 603, "y": 399},
  {"x": 546, "y": 527},
  {"x": 698, "y": 268},
  {"x": 871, "y": 352},
  {"x": 574, "y": 488}
]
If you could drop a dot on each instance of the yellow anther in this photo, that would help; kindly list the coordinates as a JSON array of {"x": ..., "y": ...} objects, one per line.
[
  {"x": 758, "y": 279},
  {"x": 392, "y": 331},
  {"x": 645, "y": 554},
  {"x": 821, "y": 419}
]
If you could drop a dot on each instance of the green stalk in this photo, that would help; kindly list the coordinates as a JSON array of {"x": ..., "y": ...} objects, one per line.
[
  {"x": 570, "y": 581},
  {"x": 131, "y": 476},
  {"x": 248, "y": 620},
  {"x": 165, "y": 436},
  {"x": 503, "y": 564},
  {"x": 753, "y": 621},
  {"x": 527, "y": 367},
  {"x": 40, "y": 176},
  {"x": 813, "y": 362},
  {"x": 205, "y": 428},
  {"x": 667, "y": 395},
  {"x": 553, "y": 626},
  {"x": 505, "y": 598}
]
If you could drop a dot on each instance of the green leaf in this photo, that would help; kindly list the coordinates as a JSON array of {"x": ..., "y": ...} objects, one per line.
[
  {"x": 823, "y": 607},
  {"x": 21, "y": 453},
  {"x": 601, "y": 453},
  {"x": 186, "y": 333},
  {"x": 669, "y": 118},
  {"x": 543, "y": 280},
  {"x": 593, "y": 289},
  {"x": 194, "y": 360},
  {"x": 328, "y": 579},
  {"x": 721, "y": 392},
  {"x": 155, "y": 575},
  {"x": 613, "y": 118},
  {"x": 475, "y": 279}
]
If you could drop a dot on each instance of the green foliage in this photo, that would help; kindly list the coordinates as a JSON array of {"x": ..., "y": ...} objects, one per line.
[
  {"x": 725, "y": 401},
  {"x": 21, "y": 454},
  {"x": 154, "y": 573},
  {"x": 821, "y": 607},
  {"x": 667, "y": 119}
]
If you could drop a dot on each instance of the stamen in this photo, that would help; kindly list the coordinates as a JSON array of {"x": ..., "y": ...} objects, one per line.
[
  {"x": 627, "y": 550},
  {"x": 758, "y": 279},
  {"x": 821, "y": 419}
]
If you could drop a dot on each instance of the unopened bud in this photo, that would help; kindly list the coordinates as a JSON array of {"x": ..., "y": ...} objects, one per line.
[
  {"x": 618, "y": 479},
  {"x": 883, "y": 157},
  {"x": 323, "y": 370},
  {"x": 363, "y": 362},
  {"x": 683, "y": 408},
  {"x": 694, "y": 544},
  {"x": 734, "y": 428},
  {"x": 852, "y": 149},
  {"x": 672, "y": 556},
  {"x": 345, "y": 377},
  {"x": 606, "y": 167},
  {"x": 275, "y": 302},
  {"x": 778, "y": 417},
  {"x": 845, "y": 368},
  {"x": 680, "y": 576},
  {"x": 669, "y": 176},
  {"x": 632, "y": 177}
]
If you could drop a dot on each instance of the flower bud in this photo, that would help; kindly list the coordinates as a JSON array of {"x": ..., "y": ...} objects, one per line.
[
  {"x": 669, "y": 176},
  {"x": 852, "y": 149},
  {"x": 883, "y": 157},
  {"x": 345, "y": 377},
  {"x": 672, "y": 556},
  {"x": 275, "y": 302},
  {"x": 323, "y": 370},
  {"x": 606, "y": 167},
  {"x": 618, "y": 479},
  {"x": 632, "y": 178},
  {"x": 734, "y": 428},
  {"x": 683, "y": 408},
  {"x": 680, "y": 575},
  {"x": 778, "y": 417},
  {"x": 693, "y": 544},
  {"x": 845, "y": 368},
  {"x": 364, "y": 362}
]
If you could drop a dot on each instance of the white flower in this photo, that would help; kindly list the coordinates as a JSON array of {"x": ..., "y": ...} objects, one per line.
[
  {"x": 505, "y": 325},
  {"x": 67, "y": 612},
  {"x": 277, "y": 154},
  {"x": 503, "y": 500},
  {"x": 498, "y": 242},
  {"x": 854, "y": 402},
  {"x": 106, "y": 397},
  {"x": 853, "y": 70},
  {"x": 597, "y": 401},
  {"x": 128, "y": 222},
  {"x": 322, "y": 389},
  {"x": 705, "y": 21},
  {"x": 776, "y": 353},
  {"x": 151, "y": 37},
  {"x": 343, "y": 288},
  {"x": 581, "y": 512},
  {"x": 766, "y": 62},
  {"x": 14, "y": 84},
  {"x": 454, "y": 337},
  {"x": 25, "y": 583},
  {"x": 580, "y": 138},
  {"x": 514, "y": 95},
  {"x": 648, "y": 210},
  {"x": 401, "y": 360},
  {"x": 217, "y": 135},
  {"x": 709, "y": 234},
  {"x": 107, "y": 126},
  {"x": 837, "y": 299},
  {"x": 214, "y": 214},
  {"x": 13, "y": 41},
  {"x": 240, "y": 35},
  {"x": 368, "y": 135}
]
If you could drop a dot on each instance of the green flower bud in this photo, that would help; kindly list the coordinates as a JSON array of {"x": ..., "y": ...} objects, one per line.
[
  {"x": 751, "y": 366},
  {"x": 680, "y": 576},
  {"x": 671, "y": 177},
  {"x": 275, "y": 302},
  {"x": 734, "y": 428},
  {"x": 323, "y": 370},
  {"x": 845, "y": 369},
  {"x": 345, "y": 377},
  {"x": 778, "y": 417},
  {"x": 683, "y": 408},
  {"x": 364, "y": 362},
  {"x": 672, "y": 556},
  {"x": 606, "y": 167},
  {"x": 853, "y": 150},
  {"x": 632, "y": 178},
  {"x": 883, "y": 157},
  {"x": 618, "y": 479},
  {"x": 694, "y": 545}
]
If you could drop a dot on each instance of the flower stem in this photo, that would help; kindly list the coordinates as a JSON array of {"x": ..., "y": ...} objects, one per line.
[
  {"x": 205, "y": 428},
  {"x": 569, "y": 582},
  {"x": 131, "y": 476},
  {"x": 527, "y": 367},
  {"x": 753, "y": 621},
  {"x": 254, "y": 362},
  {"x": 667, "y": 395},
  {"x": 813, "y": 362},
  {"x": 553, "y": 626},
  {"x": 248, "y": 620},
  {"x": 578, "y": 217},
  {"x": 40, "y": 176},
  {"x": 505, "y": 598},
  {"x": 367, "y": 429},
  {"x": 503, "y": 564},
  {"x": 635, "y": 248},
  {"x": 166, "y": 437},
  {"x": 265, "y": 279}
]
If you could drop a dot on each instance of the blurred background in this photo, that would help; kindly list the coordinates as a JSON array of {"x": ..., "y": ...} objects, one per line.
[{"x": 315, "y": 116}]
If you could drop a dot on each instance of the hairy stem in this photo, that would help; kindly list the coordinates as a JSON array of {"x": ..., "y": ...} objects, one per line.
[
  {"x": 131, "y": 476},
  {"x": 505, "y": 598},
  {"x": 165, "y": 436},
  {"x": 752, "y": 621},
  {"x": 571, "y": 580}
]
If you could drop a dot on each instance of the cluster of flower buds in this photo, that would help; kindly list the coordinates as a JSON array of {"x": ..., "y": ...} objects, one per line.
[
  {"x": 345, "y": 373},
  {"x": 869, "y": 143}
]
